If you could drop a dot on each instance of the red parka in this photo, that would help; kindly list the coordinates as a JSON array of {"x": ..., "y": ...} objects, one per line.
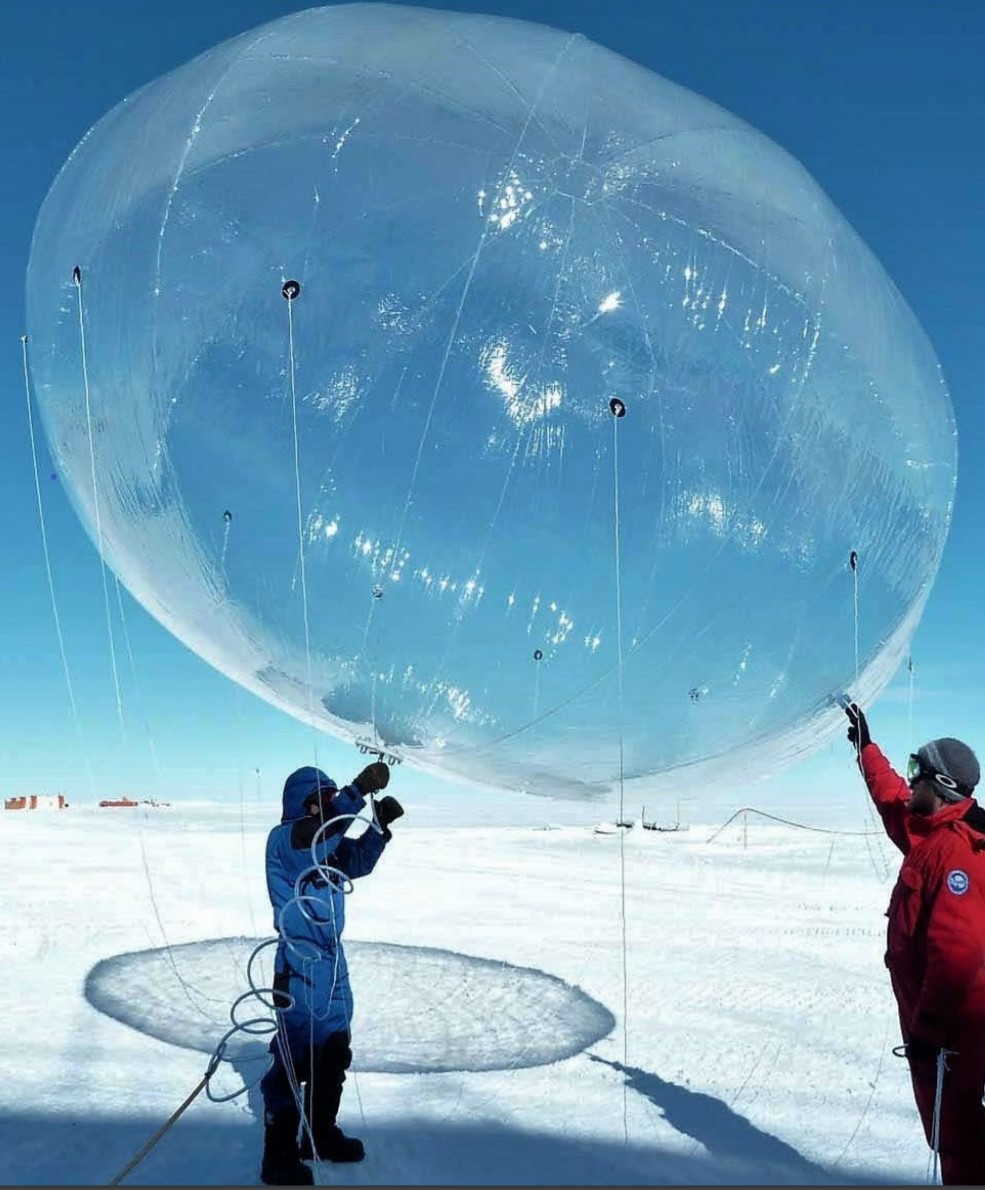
[
  {"x": 936, "y": 936},
  {"x": 936, "y": 960}
]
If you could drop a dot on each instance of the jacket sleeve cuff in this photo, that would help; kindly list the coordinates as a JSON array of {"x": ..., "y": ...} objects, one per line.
[{"x": 349, "y": 800}]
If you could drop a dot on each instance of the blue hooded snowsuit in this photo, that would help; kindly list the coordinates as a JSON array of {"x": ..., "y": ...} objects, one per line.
[{"x": 309, "y": 915}]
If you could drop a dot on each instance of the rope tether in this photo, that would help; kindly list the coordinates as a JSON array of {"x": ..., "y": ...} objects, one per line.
[{"x": 173, "y": 1119}]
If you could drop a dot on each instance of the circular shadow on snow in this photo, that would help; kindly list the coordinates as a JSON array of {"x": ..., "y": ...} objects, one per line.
[{"x": 417, "y": 1009}]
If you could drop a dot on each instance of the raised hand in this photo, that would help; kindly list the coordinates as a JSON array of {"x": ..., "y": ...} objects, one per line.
[
  {"x": 858, "y": 729},
  {"x": 374, "y": 777}
]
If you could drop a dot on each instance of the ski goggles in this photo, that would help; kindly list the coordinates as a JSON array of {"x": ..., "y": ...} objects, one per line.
[{"x": 917, "y": 769}]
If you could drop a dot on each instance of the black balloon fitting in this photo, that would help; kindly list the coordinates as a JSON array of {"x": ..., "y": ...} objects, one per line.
[
  {"x": 617, "y": 408},
  {"x": 538, "y": 655},
  {"x": 290, "y": 290}
]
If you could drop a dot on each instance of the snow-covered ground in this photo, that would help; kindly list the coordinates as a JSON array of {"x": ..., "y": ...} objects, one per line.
[{"x": 533, "y": 1006}]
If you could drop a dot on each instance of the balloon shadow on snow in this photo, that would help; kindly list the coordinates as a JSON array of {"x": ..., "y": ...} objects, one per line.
[
  {"x": 724, "y": 1133},
  {"x": 418, "y": 1009}
]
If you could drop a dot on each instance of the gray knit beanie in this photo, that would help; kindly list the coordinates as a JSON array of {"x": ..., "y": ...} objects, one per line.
[{"x": 955, "y": 760}]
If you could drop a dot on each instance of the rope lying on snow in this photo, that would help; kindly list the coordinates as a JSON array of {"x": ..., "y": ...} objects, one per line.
[{"x": 138, "y": 1157}]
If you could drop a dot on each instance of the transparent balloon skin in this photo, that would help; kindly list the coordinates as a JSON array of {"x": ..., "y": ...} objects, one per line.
[{"x": 398, "y": 506}]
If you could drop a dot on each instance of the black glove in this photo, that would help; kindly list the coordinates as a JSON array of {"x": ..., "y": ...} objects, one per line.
[
  {"x": 387, "y": 809},
  {"x": 858, "y": 731},
  {"x": 373, "y": 777}
]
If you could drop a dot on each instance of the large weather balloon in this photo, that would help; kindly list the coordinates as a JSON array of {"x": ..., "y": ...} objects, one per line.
[{"x": 464, "y": 388}]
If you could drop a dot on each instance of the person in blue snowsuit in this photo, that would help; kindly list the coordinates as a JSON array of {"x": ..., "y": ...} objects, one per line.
[{"x": 311, "y": 981}]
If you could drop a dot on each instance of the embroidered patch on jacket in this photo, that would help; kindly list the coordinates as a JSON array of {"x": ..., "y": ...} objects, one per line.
[{"x": 957, "y": 882}]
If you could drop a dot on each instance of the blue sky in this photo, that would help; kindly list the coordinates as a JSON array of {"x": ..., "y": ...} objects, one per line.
[{"x": 885, "y": 112}]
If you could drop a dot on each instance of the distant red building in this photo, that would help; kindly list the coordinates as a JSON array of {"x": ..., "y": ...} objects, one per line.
[{"x": 33, "y": 801}]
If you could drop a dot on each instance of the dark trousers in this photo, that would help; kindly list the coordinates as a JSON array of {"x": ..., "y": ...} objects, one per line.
[
  {"x": 320, "y": 1072},
  {"x": 962, "y": 1116}
]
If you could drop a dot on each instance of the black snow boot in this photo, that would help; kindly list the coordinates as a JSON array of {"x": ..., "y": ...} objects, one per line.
[
  {"x": 332, "y": 1145},
  {"x": 282, "y": 1164}
]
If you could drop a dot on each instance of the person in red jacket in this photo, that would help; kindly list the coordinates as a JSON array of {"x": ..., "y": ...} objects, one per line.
[{"x": 936, "y": 935}]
